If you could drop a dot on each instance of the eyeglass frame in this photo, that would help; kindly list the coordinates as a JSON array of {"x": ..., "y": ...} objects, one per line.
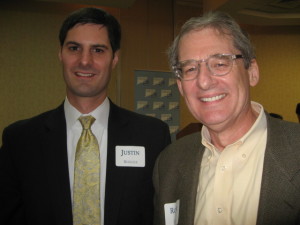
[{"x": 232, "y": 58}]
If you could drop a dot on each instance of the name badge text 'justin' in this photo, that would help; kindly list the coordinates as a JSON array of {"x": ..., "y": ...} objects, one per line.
[{"x": 130, "y": 156}]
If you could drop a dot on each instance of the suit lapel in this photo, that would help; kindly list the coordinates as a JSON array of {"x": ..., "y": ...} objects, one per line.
[
  {"x": 118, "y": 134},
  {"x": 189, "y": 174},
  {"x": 277, "y": 198},
  {"x": 56, "y": 163}
]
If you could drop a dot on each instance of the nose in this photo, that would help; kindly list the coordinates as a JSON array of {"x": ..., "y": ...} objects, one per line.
[
  {"x": 86, "y": 58},
  {"x": 205, "y": 79}
]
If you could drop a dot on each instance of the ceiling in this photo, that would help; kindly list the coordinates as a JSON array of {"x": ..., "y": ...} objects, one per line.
[
  {"x": 255, "y": 12},
  {"x": 108, "y": 3},
  {"x": 264, "y": 12}
]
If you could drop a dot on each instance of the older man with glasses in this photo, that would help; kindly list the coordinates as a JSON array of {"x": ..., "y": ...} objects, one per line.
[{"x": 243, "y": 167}]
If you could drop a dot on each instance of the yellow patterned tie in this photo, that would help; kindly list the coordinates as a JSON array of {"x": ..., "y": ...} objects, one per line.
[{"x": 86, "y": 205}]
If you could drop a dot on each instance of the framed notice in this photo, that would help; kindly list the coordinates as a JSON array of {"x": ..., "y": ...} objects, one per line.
[{"x": 157, "y": 95}]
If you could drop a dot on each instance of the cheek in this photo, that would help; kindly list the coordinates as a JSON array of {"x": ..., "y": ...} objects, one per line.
[
  {"x": 186, "y": 89},
  {"x": 67, "y": 62},
  {"x": 190, "y": 97},
  {"x": 102, "y": 64},
  {"x": 244, "y": 85}
]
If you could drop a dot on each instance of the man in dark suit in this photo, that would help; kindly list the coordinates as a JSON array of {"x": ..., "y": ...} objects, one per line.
[
  {"x": 244, "y": 166},
  {"x": 37, "y": 158}
]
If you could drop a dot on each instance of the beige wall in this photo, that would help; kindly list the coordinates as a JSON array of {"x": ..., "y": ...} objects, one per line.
[
  {"x": 278, "y": 56},
  {"x": 31, "y": 80},
  {"x": 30, "y": 73}
]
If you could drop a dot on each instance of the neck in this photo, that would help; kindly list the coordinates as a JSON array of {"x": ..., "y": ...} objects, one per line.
[
  {"x": 222, "y": 138},
  {"x": 86, "y": 105}
]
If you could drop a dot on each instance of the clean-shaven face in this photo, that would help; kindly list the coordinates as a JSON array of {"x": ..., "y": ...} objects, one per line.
[
  {"x": 216, "y": 101},
  {"x": 87, "y": 60}
]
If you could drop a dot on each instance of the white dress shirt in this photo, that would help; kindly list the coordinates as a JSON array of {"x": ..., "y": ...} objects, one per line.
[
  {"x": 99, "y": 129},
  {"x": 230, "y": 181}
]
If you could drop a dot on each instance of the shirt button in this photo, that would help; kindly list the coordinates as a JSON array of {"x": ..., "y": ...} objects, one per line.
[
  {"x": 223, "y": 168},
  {"x": 219, "y": 210},
  {"x": 244, "y": 156}
]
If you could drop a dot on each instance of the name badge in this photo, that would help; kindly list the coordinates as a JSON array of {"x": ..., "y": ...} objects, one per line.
[
  {"x": 130, "y": 156},
  {"x": 172, "y": 213}
]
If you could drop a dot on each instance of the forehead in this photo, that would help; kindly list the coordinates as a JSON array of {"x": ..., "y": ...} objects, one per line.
[
  {"x": 198, "y": 44},
  {"x": 89, "y": 31}
]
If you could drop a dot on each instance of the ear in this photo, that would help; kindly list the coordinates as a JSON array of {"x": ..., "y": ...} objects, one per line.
[
  {"x": 116, "y": 58},
  {"x": 253, "y": 72},
  {"x": 179, "y": 84}
]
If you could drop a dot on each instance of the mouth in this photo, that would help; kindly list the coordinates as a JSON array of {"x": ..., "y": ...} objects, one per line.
[
  {"x": 214, "y": 98},
  {"x": 79, "y": 74}
]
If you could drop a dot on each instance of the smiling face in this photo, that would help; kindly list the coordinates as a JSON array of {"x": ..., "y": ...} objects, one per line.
[
  {"x": 87, "y": 59},
  {"x": 216, "y": 101}
]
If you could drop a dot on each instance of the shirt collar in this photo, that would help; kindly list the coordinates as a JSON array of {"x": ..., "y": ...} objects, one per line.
[
  {"x": 259, "y": 126},
  {"x": 101, "y": 114}
]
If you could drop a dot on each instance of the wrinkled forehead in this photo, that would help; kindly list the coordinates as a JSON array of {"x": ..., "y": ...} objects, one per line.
[
  {"x": 204, "y": 42},
  {"x": 220, "y": 33}
]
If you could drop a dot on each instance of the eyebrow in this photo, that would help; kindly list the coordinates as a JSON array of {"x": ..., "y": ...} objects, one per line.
[{"x": 94, "y": 45}]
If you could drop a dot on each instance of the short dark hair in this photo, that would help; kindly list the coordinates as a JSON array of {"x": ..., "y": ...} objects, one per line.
[{"x": 93, "y": 16}]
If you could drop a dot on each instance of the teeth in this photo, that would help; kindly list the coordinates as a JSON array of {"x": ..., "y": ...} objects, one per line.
[
  {"x": 84, "y": 74},
  {"x": 215, "y": 98}
]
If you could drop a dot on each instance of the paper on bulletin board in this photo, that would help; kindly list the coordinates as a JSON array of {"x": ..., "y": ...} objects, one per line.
[{"x": 157, "y": 95}]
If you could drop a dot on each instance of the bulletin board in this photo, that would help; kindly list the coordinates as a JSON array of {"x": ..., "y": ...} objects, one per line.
[{"x": 157, "y": 95}]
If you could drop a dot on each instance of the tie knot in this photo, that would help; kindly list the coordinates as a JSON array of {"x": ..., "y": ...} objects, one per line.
[{"x": 86, "y": 121}]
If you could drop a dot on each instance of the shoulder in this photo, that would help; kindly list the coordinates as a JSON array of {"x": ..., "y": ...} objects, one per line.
[
  {"x": 135, "y": 118},
  {"x": 288, "y": 129},
  {"x": 141, "y": 128},
  {"x": 283, "y": 142},
  {"x": 181, "y": 157},
  {"x": 283, "y": 137},
  {"x": 283, "y": 149},
  {"x": 33, "y": 124},
  {"x": 182, "y": 149}
]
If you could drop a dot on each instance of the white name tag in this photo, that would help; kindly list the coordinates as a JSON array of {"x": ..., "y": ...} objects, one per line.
[
  {"x": 130, "y": 156},
  {"x": 172, "y": 213}
]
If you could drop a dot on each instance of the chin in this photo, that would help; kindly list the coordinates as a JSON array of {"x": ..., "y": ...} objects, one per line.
[{"x": 213, "y": 120}]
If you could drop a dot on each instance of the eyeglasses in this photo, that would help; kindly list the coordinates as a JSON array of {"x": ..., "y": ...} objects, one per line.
[{"x": 218, "y": 65}]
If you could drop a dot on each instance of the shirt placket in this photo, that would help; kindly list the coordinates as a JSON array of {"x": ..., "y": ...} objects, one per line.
[{"x": 223, "y": 187}]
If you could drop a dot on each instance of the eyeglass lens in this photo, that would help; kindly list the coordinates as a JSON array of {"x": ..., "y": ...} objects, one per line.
[{"x": 217, "y": 64}]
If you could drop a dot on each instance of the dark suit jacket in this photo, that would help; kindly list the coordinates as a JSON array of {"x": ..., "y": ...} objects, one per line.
[
  {"x": 176, "y": 176},
  {"x": 34, "y": 177}
]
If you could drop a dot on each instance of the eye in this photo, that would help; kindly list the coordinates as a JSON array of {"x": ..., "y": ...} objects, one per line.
[
  {"x": 189, "y": 69},
  {"x": 73, "y": 48},
  {"x": 98, "y": 50},
  {"x": 219, "y": 64}
]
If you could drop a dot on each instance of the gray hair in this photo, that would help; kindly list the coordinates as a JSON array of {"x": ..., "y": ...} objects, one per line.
[{"x": 221, "y": 22}]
